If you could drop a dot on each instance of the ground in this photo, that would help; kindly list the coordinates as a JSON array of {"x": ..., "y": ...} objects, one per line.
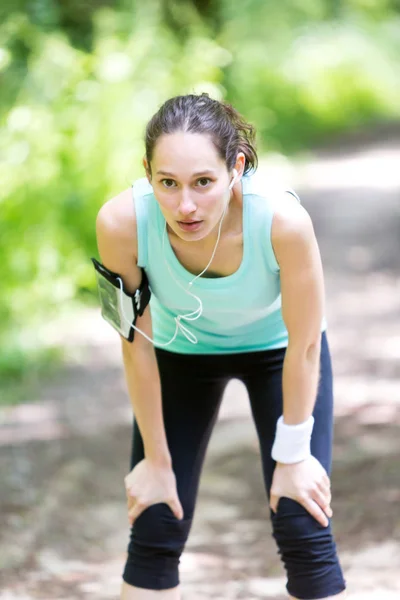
[{"x": 64, "y": 453}]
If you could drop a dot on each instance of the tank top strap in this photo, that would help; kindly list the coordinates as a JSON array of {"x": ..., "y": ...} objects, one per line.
[
  {"x": 263, "y": 198},
  {"x": 141, "y": 189}
]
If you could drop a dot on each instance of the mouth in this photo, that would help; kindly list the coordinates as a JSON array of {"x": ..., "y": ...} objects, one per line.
[{"x": 189, "y": 225}]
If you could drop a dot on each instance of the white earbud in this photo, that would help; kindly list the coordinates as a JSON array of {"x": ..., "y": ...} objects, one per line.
[{"x": 233, "y": 180}]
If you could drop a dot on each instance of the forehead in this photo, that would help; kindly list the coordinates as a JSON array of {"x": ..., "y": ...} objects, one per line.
[{"x": 181, "y": 152}]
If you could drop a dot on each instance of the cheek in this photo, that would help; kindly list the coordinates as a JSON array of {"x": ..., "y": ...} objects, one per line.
[
  {"x": 166, "y": 202},
  {"x": 211, "y": 204}
]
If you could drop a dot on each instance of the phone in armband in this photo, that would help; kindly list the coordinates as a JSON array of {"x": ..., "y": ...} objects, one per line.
[{"x": 118, "y": 307}]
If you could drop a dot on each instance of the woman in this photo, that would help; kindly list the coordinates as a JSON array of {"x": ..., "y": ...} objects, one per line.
[{"x": 237, "y": 291}]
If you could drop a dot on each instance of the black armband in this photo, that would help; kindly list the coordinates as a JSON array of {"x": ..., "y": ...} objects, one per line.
[{"x": 118, "y": 307}]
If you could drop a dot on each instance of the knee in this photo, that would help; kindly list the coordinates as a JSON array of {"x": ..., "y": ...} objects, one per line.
[
  {"x": 156, "y": 544},
  {"x": 158, "y": 528},
  {"x": 308, "y": 552}
]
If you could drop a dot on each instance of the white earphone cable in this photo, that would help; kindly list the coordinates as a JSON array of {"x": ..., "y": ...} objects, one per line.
[{"x": 191, "y": 316}]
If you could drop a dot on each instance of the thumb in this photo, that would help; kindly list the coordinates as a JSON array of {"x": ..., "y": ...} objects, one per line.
[
  {"x": 135, "y": 512},
  {"x": 273, "y": 502},
  {"x": 176, "y": 508}
]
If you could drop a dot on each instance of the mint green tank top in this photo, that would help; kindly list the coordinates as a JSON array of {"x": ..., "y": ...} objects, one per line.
[{"x": 242, "y": 311}]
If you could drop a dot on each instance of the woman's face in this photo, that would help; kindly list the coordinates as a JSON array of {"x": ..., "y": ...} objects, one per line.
[{"x": 190, "y": 182}]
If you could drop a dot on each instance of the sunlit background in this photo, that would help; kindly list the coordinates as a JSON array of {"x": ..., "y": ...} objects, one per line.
[{"x": 320, "y": 80}]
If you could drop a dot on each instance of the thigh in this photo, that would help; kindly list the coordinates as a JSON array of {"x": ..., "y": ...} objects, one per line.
[
  {"x": 191, "y": 396},
  {"x": 264, "y": 386}
]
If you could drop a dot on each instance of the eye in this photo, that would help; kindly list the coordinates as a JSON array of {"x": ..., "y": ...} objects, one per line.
[
  {"x": 206, "y": 179},
  {"x": 169, "y": 181}
]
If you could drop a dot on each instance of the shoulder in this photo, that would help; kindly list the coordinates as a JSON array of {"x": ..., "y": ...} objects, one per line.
[
  {"x": 289, "y": 217},
  {"x": 116, "y": 236},
  {"x": 120, "y": 212},
  {"x": 116, "y": 222},
  {"x": 292, "y": 231},
  {"x": 117, "y": 215}
]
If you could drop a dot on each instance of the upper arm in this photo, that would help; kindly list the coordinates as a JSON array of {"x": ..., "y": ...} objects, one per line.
[
  {"x": 302, "y": 281},
  {"x": 116, "y": 236}
]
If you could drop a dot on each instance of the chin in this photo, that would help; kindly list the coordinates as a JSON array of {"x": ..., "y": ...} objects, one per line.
[{"x": 195, "y": 236}]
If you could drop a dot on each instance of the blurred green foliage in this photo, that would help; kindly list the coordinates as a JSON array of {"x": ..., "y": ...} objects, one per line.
[{"x": 80, "y": 80}]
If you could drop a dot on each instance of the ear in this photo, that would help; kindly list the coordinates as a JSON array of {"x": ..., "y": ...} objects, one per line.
[
  {"x": 147, "y": 169},
  {"x": 240, "y": 163}
]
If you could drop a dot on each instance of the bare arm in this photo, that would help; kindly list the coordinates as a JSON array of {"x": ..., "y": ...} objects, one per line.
[
  {"x": 302, "y": 288},
  {"x": 117, "y": 245}
]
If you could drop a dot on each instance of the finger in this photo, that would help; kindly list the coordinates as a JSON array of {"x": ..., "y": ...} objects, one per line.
[
  {"x": 130, "y": 493},
  {"x": 128, "y": 485},
  {"x": 325, "y": 506},
  {"x": 176, "y": 508},
  {"x": 321, "y": 498},
  {"x": 130, "y": 507},
  {"x": 315, "y": 511},
  {"x": 131, "y": 503},
  {"x": 273, "y": 502},
  {"x": 135, "y": 512},
  {"x": 325, "y": 489},
  {"x": 326, "y": 480},
  {"x": 130, "y": 496}
]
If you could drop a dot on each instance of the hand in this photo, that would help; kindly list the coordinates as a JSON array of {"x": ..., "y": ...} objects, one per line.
[
  {"x": 149, "y": 484},
  {"x": 308, "y": 483}
]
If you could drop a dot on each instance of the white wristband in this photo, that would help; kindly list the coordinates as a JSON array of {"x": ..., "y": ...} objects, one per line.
[{"x": 292, "y": 442}]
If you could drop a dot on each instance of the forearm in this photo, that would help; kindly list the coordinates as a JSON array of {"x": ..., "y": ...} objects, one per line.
[
  {"x": 300, "y": 383},
  {"x": 144, "y": 388}
]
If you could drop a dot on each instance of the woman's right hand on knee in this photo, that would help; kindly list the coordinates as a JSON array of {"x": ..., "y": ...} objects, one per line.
[{"x": 149, "y": 484}]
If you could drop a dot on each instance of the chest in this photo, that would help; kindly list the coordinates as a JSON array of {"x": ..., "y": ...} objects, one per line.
[{"x": 227, "y": 259}]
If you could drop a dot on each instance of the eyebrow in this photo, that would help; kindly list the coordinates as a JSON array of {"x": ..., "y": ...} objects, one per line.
[{"x": 194, "y": 174}]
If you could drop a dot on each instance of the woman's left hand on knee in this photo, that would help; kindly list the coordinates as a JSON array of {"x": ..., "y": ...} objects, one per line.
[{"x": 308, "y": 483}]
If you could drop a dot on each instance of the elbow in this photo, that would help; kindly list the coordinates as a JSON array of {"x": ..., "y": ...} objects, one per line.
[
  {"x": 309, "y": 349},
  {"x": 313, "y": 351},
  {"x": 139, "y": 348}
]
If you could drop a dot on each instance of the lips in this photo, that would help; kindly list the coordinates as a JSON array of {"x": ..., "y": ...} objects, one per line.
[{"x": 189, "y": 225}]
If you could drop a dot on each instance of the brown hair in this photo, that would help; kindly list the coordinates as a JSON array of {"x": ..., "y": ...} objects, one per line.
[{"x": 229, "y": 132}]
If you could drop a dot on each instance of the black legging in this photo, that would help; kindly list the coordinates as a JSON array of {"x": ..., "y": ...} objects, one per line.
[{"x": 192, "y": 388}]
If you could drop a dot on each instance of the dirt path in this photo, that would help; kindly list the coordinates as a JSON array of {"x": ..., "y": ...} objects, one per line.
[{"x": 63, "y": 458}]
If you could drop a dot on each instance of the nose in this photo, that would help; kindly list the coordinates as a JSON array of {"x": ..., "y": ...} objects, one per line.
[{"x": 186, "y": 205}]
